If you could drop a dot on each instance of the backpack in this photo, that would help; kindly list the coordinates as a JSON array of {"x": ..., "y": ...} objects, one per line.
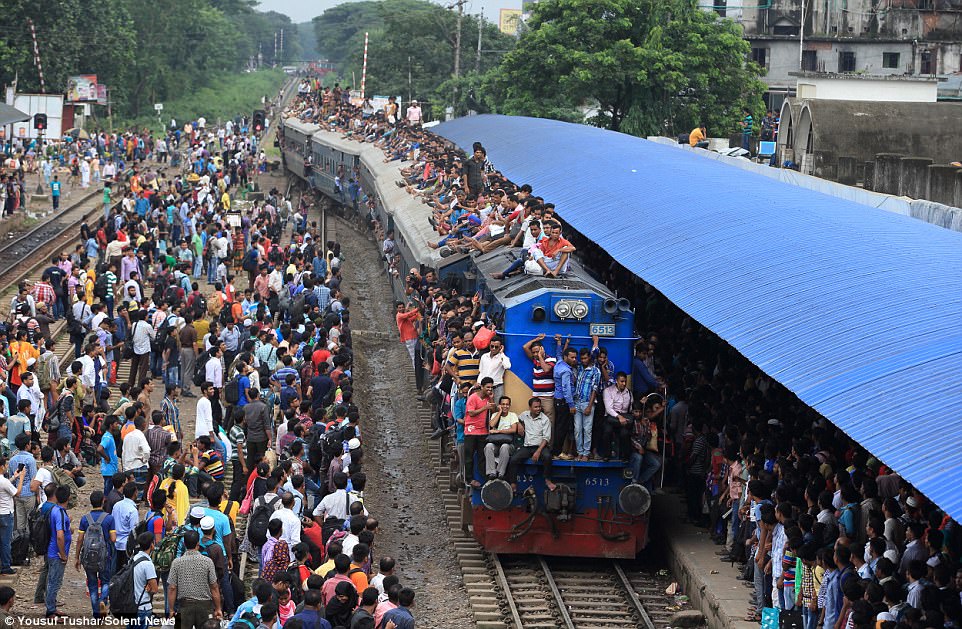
[
  {"x": 124, "y": 602},
  {"x": 166, "y": 551},
  {"x": 100, "y": 287},
  {"x": 61, "y": 477},
  {"x": 19, "y": 548},
  {"x": 297, "y": 308},
  {"x": 200, "y": 370},
  {"x": 257, "y": 529},
  {"x": 163, "y": 333},
  {"x": 39, "y": 524},
  {"x": 198, "y": 307},
  {"x": 93, "y": 553},
  {"x": 43, "y": 372},
  {"x": 144, "y": 525},
  {"x": 225, "y": 315},
  {"x": 55, "y": 418},
  {"x": 161, "y": 282},
  {"x": 232, "y": 390},
  {"x": 274, "y": 254},
  {"x": 174, "y": 295}
]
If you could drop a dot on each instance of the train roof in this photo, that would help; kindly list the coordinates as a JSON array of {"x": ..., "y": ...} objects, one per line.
[
  {"x": 519, "y": 289},
  {"x": 410, "y": 215}
]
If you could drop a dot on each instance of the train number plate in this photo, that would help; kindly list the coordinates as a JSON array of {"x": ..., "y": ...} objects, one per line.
[{"x": 601, "y": 329}]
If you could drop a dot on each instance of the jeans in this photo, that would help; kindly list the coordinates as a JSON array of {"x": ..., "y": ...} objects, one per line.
[
  {"x": 98, "y": 585},
  {"x": 108, "y": 484},
  {"x": 809, "y": 618},
  {"x": 144, "y": 617},
  {"x": 6, "y": 532},
  {"x": 156, "y": 363},
  {"x": 198, "y": 266},
  {"x": 786, "y": 598},
  {"x": 583, "y": 425},
  {"x": 212, "y": 269},
  {"x": 759, "y": 582},
  {"x": 55, "y": 569},
  {"x": 472, "y": 444},
  {"x": 226, "y": 594},
  {"x": 109, "y": 300},
  {"x": 643, "y": 467},
  {"x": 172, "y": 375}
]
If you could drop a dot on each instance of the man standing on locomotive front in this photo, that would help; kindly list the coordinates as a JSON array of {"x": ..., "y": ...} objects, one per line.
[{"x": 586, "y": 389}]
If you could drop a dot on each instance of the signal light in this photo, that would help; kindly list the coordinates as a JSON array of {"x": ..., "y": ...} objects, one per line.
[
  {"x": 260, "y": 120},
  {"x": 40, "y": 122}
]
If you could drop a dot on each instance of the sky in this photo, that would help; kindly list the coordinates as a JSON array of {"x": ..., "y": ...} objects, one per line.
[{"x": 301, "y": 11}]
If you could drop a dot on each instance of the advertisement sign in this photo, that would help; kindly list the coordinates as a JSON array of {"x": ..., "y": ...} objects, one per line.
[
  {"x": 379, "y": 102},
  {"x": 101, "y": 94},
  {"x": 508, "y": 21},
  {"x": 82, "y": 88}
]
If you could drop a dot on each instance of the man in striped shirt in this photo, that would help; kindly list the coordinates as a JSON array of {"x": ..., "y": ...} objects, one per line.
[{"x": 542, "y": 381}]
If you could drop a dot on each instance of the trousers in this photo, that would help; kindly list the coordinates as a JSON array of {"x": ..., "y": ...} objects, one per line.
[
  {"x": 496, "y": 459},
  {"x": 583, "y": 424},
  {"x": 563, "y": 425},
  {"x": 523, "y": 454}
]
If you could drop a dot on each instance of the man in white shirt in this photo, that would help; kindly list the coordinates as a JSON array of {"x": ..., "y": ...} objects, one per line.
[
  {"x": 493, "y": 365},
  {"x": 204, "y": 422},
  {"x": 30, "y": 390},
  {"x": 336, "y": 504},
  {"x": 136, "y": 453},
  {"x": 290, "y": 523},
  {"x": 213, "y": 370}
]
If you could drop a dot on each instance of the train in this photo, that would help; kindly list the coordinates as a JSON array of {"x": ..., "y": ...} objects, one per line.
[{"x": 595, "y": 510}]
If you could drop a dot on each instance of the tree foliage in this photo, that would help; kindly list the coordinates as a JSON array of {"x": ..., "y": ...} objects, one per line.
[
  {"x": 145, "y": 51},
  {"x": 646, "y": 66},
  {"x": 413, "y": 37}
]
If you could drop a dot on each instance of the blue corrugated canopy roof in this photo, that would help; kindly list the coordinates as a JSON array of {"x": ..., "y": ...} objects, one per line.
[{"x": 856, "y": 310}]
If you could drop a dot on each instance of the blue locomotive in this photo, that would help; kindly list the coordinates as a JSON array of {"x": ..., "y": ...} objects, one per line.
[{"x": 595, "y": 510}]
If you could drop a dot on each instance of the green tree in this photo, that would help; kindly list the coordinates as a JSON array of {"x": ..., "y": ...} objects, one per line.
[
  {"x": 642, "y": 64},
  {"x": 408, "y": 38}
]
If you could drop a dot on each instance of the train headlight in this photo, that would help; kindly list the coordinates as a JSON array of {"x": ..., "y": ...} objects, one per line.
[
  {"x": 571, "y": 309},
  {"x": 579, "y": 309},
  {"x": 562, "y": 309}
]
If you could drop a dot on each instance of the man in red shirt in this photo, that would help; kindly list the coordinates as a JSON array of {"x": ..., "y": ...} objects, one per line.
[
  {"x": 552, "y": 253},
  {"x": 407, "y": 319},
  {"x": 479, "y": 405}
]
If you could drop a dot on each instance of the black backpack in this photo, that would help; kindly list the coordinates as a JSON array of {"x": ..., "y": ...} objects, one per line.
[
  {"x": 198, "y": 307},
  {"x": 163, "y": 333},
  {"x": 161, "y": 282},
  {"x": 124, "y": 602},
  {"x": 232, "y": 390},
  {"x": 257, "y": 529},
  {"x": 100, "y": 287},
  {"x": 200, "y": 371},
  {"x": 39, "y": 524}
]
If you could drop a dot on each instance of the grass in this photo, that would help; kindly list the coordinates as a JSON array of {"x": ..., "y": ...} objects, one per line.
[{"x": 230, "y": 96}]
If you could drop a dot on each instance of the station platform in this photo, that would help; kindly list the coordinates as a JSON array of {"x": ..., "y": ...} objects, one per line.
[{"x": 712, "y": 586}]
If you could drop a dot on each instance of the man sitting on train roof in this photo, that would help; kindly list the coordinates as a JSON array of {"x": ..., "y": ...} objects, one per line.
[{"x": 550, "y": 256}]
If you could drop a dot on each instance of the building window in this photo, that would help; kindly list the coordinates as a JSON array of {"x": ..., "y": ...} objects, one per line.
[
  {"x": 720, "y": 7},
  {"x": 760, "y": 56},
  {"x": 809, "y": 60},
  {"x": 927, "y": 65},
  {"x": 846, "y": 61},
  {"x": 785, "y": 27},
  {"x": 890, "y": 60}
]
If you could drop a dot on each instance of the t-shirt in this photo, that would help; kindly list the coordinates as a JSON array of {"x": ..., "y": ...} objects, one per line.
[
  {"x": 59, "y": 521},
  {"x": 143, "y": 572},
  {"x": 108, "y": 468},
  {"x": 45, "y": 477},
  {"x": 542, "y": 382},
  {"x": 478, "y": 424},
  {"x": 107, "y": 525},
  {"x": 320, "y": 386},
  {"x": 55, "y": 188}
]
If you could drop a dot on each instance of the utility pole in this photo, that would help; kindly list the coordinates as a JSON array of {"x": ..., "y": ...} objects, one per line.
[
  {"x": 457, "y": 36},
  {"x": 477, "y": 59},
  {"x": 282, "y": 43},
  {"x": 275, "y": 50}
]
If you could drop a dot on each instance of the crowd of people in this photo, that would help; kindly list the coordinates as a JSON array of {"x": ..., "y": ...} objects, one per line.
[
  {"x": 270, "y": 474},
  {"x": 824, "y": 532}
]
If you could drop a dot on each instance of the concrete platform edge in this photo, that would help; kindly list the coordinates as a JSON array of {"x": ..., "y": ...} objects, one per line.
[{"x": 691, "y": 556}]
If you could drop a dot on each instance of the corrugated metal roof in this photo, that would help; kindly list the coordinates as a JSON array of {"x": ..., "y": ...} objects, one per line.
[
  {"x": 856, "y": 310},
  {"x": 10, "y": 114}
]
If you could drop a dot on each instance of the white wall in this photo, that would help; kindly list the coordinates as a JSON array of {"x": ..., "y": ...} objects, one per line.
[
  {"x": 50, "y": 104},
  {"x": 837, "y": 88}
]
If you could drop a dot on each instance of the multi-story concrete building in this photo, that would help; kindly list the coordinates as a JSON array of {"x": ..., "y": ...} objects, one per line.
[{"x": 901, "y": 37}]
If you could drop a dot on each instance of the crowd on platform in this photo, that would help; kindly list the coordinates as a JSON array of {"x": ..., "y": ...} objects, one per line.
[
  {"x": 272, "y": 468},
  {"x": 825, "y": 533}
]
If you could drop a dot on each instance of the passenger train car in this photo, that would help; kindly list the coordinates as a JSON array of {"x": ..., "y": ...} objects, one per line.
[{"x": 595, "y": 511}]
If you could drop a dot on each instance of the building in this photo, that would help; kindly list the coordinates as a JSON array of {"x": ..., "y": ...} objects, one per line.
[
  {"x": 895, "y": 37},
  {"x": 867, "y": 87}
]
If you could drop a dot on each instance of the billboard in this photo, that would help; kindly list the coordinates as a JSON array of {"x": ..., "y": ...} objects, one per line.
[
  {"x": 81, "y": 88},
  {"x": 508, "y": 21}
]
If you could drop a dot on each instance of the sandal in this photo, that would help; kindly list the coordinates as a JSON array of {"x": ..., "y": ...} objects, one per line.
[{"x": 753, "y": 617}]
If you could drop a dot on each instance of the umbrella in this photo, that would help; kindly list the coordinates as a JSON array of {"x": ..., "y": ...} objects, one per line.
[{"x": 77, "y": 134}]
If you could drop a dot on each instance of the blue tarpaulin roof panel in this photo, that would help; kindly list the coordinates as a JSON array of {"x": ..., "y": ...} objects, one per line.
[{"x": 856, "y": 310}]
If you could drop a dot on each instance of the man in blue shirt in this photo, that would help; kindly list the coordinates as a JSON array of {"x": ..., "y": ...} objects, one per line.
[
  {"x": 107, "y": 451},
  {"x": 564, "y": 405},
  {"x": 57, "y": 551},
  {"x": 263, "y": 592},
  {"x": 55, "y": 192},
  {"x": 27, "y": 499},
  {"x": 97, "y": 580},
  {"x": 401, "y": 616},
  {"x": 126, "y": 518},
  {"x": 642, "y": 380}
]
